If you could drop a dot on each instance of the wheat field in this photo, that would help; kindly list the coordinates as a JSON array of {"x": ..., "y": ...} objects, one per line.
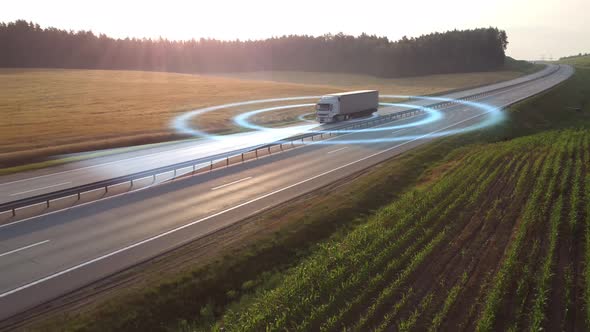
[{"x": 46, "y": 112}]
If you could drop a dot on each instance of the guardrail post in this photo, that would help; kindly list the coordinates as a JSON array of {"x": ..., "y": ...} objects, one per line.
[
  {"x": 269, "y": 149},
  {"x": 211, "y": 165},
  {"x": 227, "y": 161},
  {"x": 194, "y": 168},
  {"x": 256, "y": 152},
  {"x": 106, "y": 189},
  {"x": 154, "y": 178},
  {"x": 47, "y": 203},
  {"x": 78, "y": 195},
  {"x": 14, "y": 212},
  {"x": 292, "y": 144},
  {"x": 174, "y": 173},
  {"x": 281, "y": 146},
  {"x": 242, "y": 157},
  {"x": 131, "y": 183}
]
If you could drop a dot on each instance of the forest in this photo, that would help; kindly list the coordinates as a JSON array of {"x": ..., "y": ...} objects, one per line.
[{"x": 28, "y": 45}]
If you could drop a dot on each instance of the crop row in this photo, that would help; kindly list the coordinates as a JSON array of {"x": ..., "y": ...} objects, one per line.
[
  {"x": 549, "y": 203},
  {"x": 587, "y": 231},
  {"x": 542, "y": 288}
]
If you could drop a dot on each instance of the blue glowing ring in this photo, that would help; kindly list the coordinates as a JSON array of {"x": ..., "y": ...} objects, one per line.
[
  {"x": 303, "y": 119},
  {"x": 492, "y": 116},
  {"x": 433, "y": 115}
]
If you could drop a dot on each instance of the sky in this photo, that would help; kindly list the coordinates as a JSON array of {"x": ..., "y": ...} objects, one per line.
[{"x": 537, "y": 29}]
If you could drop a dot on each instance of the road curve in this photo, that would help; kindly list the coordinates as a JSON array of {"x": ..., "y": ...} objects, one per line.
[{"x": 49, "y": 255}]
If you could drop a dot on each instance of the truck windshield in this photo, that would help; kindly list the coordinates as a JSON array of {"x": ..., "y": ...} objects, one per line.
[{"x": 323, "y": 107}]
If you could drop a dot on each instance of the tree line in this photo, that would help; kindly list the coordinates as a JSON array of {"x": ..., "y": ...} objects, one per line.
[{"x": 26, "y": 44}]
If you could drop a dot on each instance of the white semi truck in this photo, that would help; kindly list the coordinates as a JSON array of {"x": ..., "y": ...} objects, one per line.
[{"x": 346, "y": 105}]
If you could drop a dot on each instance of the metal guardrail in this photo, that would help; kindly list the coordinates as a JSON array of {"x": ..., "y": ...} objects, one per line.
[{"x": 202, "y": 165}]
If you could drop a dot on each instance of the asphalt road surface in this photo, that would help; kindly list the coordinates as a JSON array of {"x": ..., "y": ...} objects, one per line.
[
  {"x": 44, "y": 257},
  {"x": 27, "y": 184}
]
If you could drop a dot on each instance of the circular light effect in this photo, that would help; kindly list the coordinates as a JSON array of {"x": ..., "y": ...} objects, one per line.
[
  {"x": 491, "y": 115},
  {"x": 433, "y": 115},
  {"x": 303, "y": 119}
]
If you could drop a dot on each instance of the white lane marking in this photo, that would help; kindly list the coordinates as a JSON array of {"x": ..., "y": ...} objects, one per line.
[
  {"x": 346, "y": 147},
  {"x": 24, "y": 248},
  {"x": 174, "y": 230},
  {"x": 28, "y": 191},
  {"x": 229, "y": 184}
]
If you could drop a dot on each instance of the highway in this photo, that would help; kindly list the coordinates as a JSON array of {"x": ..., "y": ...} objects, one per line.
[
  {"x": 27, "y": 184},
  {"x": 46, "y": 256}
]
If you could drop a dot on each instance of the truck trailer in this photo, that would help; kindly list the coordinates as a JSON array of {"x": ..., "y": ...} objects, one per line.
[{"x": 343, "y": 106}]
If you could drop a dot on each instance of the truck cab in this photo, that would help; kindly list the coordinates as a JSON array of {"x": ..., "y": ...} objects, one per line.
[{"x": 326, "y": 108}]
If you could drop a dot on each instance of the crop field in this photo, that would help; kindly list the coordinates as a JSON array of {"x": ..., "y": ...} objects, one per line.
[
  {"x": 500, "y": 242},
  {"x": 48, "y": 112},
  {"x": 421, "y": 85},
  {"x": 51, "y": 111}
]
